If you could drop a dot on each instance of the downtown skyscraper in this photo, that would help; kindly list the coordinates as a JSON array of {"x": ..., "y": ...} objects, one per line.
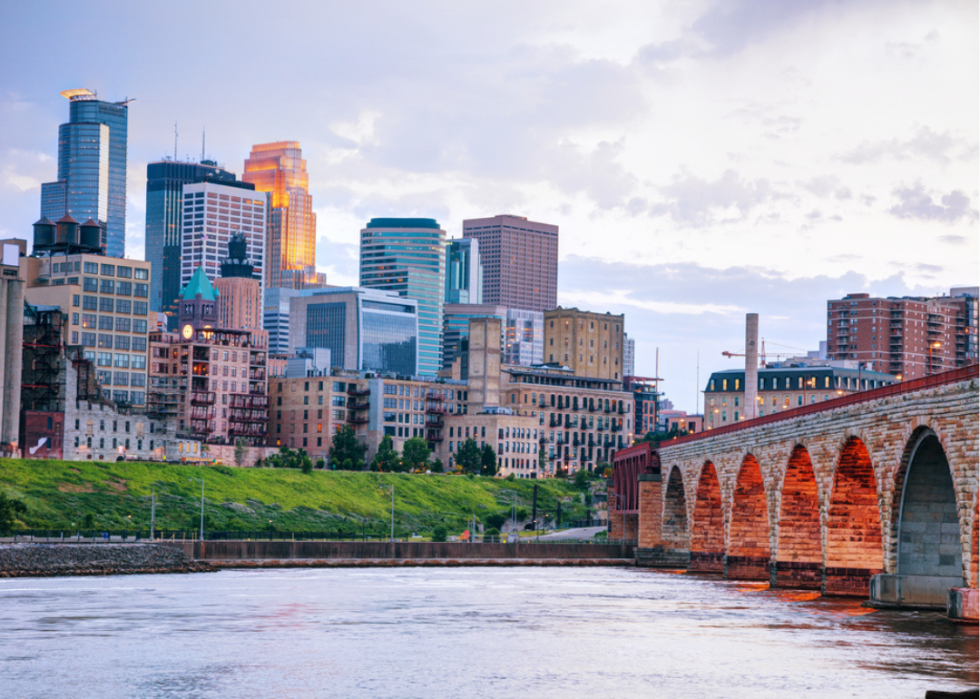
[
  {"x": 520, "y": 261},
  {"x": 408, "y": 256},
  {"x": 279, "y": 169},
  {"x": 92, "y": 167},
  {"x": 165, "y": 182}
]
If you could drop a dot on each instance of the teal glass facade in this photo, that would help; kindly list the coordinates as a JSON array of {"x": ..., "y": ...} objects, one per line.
[
  {"x": 92, "y": 169},
  {"x": 408, "y": 256}
]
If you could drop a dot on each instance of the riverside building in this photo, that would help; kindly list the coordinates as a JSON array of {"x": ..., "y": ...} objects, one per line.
[{"x": 590, "y": 344}]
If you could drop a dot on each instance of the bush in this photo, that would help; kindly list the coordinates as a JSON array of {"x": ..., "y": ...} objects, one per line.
[
  {"x": 495, "y": 520},
  {"x": 511, "y": 477},
  {"x": 439, "y": 533},
  {"x": 492, "y": 531}
]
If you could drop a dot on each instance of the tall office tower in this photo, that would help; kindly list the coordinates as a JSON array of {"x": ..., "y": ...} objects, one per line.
[
  {"x": 407, "y": 256},
  {"x": 520, "y": 261},
  {"x": 910, "y": 337},
  {"x": 464, "y": 273},
  {"x": 91, "y": 167},
  {"x": 212, "y": 213},
  {"x": 240, "y": 293},
  {"x": 165, "y": 182},
  {"x": 279, "y": 169}
]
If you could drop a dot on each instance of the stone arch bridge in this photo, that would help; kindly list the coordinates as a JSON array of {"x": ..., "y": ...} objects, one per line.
[{"x": 873, "y": 490}]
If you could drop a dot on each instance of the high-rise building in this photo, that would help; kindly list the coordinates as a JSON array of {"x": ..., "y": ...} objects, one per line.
[
  {"x": 522, "y": 332},
  {"x": 910, "y": 337},
  {"x": 279, "y": 169},
  {"x": 165, "y": 182},
  {"x": 520, "y": 261},
  {"x": 464, "y": 273},
  {"x": 213, "y": 212},
  {"x": 92, "y": 167},
  {"x": 105, "y": 302},
  {"x": 364, "y": 329},
  {"x": 275, "y": 317},
  {"x": 629, "y": 356},
  {"x": 239, "y": 291},
  {"x": 407, "y": 256},
  {"x": 590, "y": 344}
]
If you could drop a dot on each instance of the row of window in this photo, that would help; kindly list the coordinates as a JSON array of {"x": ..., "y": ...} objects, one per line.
[
  {"x": 104, "y": 341},
  {"x": 110, "y": 305}
]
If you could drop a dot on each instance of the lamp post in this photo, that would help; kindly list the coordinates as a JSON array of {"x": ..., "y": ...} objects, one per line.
[
  {"x": 392, "y": 488},
  {"x": 201, "y": 481}
]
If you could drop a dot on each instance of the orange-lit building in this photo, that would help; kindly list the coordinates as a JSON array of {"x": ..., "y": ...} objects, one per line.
[{"x": 279, "y": 168}]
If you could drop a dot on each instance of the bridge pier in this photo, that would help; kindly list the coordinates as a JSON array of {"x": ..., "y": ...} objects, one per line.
[
  {"x": 747, "y": 568},
  {"x": 799, "y": 575}
]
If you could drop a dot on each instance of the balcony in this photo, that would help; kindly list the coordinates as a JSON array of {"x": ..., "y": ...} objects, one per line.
[
  {"x": 433, "y": 435},
  {"x": 202, "y": 398},
  {"x": 353, "y": 419},
  {"x": 435, "y": 410}
]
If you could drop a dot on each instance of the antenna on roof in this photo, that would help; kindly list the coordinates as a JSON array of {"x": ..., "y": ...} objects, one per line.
[
  {"x": 203, "y": 132},
  {"x": 175, "y": 141}
]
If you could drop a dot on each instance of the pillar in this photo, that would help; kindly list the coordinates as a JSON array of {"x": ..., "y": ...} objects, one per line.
[
  {"x": 651, "y": 510},
  {"x": 751, "y": 407},
  {"x": 3, "y": 346},
  {"x": 14, "y": 361}
]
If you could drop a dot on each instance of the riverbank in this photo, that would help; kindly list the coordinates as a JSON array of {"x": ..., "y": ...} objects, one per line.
[
  {"x": 45, "y": 560},
  {"x": 418, "y": 563}
]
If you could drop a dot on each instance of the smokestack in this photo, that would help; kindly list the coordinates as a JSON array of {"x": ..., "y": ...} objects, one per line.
[{"x": 751, "y": 365}]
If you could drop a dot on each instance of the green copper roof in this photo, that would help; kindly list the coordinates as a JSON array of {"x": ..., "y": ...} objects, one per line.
[{"x": 199, "y": 284}]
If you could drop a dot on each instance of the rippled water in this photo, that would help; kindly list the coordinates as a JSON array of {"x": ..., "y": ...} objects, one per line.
[{"x": 462, "y": 632}]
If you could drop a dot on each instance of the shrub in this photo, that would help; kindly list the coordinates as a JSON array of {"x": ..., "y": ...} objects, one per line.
[
  {"x": 487, "y": 533},
  {"x": 439, "y": 533}
]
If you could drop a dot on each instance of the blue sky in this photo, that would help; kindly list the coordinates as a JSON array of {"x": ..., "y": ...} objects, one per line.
[{"x": 702, "y": 159}]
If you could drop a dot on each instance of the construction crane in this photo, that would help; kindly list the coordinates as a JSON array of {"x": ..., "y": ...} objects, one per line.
[{"x": 762, "y": 354}]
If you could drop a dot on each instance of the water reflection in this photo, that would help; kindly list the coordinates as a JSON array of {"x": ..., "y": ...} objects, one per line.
[{"x": 464, "y": 632}]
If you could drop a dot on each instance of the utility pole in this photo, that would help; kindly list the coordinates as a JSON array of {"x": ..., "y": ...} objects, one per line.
[
  {"x": 534, "y": 509},
  {"x": 201, "y": 481},
  {"x": 153, "y": 513}
]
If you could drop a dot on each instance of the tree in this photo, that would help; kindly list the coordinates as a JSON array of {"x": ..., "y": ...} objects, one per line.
[
  {"x": 488, "y": 461},
  {"x": 439, "y": 533},
  {"x": 435, "y": 466},
  {"x": 495, "y": 520},
  {"x": 320, "y": 463},
  {"x": 582, "y": 479},
  {"x": 468, "y": 457},
  {"x": 415, "y": 454},
  {"x": 10, "y": 509},
  {"x": 542, "y": 460},
  {"x": 241, "y": 451},
  {"x": 387, "y": 459},
  {"x": 346, "y": 452}
]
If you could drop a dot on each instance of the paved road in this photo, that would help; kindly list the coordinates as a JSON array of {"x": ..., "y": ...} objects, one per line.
[{"x": 581, "y": 533}]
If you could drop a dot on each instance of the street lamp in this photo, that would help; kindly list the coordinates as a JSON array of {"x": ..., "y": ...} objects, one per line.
[
  {"x": 201, "y": 481},
  {"x": 392, "y": 488}
]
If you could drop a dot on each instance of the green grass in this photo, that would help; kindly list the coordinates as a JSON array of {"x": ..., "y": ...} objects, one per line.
[{"x": 59, "y": 494}]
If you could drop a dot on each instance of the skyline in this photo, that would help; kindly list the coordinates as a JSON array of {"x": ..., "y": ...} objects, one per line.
[{"x": 672, "y": 145}]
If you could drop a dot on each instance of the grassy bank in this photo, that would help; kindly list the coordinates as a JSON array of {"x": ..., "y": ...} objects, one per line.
[{"x": 116, "y": 495}]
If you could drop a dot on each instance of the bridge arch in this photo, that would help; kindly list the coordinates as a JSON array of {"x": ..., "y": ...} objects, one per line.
[
  {"x": 708, "y": 526},
  {"x": 749, "y": 550},
  {"x": 854, "y": 542},
  {"x": 675, "y": 533},
  {"x": 924, "y": 511},
  {"x": 799, "y": 551}
]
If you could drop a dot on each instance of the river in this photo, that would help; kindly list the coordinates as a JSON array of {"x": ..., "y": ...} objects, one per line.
[{"x": 463, "y": 632}]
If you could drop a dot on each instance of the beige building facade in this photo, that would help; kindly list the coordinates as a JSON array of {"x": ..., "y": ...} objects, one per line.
[{"x": 590, "y": 344}]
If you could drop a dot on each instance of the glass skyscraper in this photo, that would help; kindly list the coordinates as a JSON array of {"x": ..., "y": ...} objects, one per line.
[
  {"x": 279, "y": 169},
  {"x": 165, "y": 182},
  {"x": 92, "y": 167},
  {"x": 408, "y": 256},
  {"x": 464, "y": 272}
]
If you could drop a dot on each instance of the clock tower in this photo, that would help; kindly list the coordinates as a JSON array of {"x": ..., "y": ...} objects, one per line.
[{"x": 197, "y": 305}]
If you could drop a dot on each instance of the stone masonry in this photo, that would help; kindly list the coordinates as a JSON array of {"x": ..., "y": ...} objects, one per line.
[{"x": 813, "y": 498}]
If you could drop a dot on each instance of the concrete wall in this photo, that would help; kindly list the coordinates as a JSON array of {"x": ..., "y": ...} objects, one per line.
[{"x": 257, "y": 550}]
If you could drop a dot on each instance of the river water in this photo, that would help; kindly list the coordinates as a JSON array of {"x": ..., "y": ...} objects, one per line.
[{"x": 462, "y": 632}]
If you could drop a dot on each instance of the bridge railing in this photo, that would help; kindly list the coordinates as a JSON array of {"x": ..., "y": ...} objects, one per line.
[{"x": 897, "y": 389}]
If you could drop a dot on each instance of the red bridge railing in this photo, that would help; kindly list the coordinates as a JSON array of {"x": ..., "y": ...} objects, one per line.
[{"x": 897, "y": 389}]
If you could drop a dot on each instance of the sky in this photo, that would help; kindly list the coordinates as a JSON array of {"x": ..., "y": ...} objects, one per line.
[{"x": 702, "y": 159}]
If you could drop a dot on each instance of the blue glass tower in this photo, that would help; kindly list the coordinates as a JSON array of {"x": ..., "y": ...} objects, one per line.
[
  {"x": 408, "y": 256},
  {"x": 92, "y": 167}
]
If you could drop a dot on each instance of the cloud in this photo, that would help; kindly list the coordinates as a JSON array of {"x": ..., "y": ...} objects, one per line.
[
  {"x": 696, "y": 202},
  {"x": 826, "y": 186},
  {"x": 926, "y": 144},
  {"x": 916, "y": 204}
]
